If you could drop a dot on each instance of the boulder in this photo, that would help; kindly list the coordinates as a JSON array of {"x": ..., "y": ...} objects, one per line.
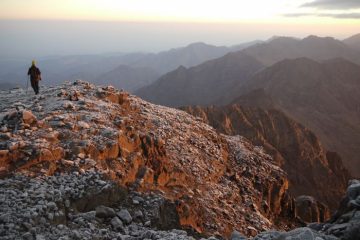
[
  {"x": 104, "y": 212},
  {"x": 125, "y": 216},
  {"x": 117, "y": 224},
  {"x": 353, "y": 190},
  {"x": 28, "y": 117}
]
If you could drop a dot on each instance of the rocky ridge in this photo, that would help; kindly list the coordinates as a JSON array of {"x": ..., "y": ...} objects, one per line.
[
  {"x": 217, "y": 183},
  {"x": 86, "y": 162}
]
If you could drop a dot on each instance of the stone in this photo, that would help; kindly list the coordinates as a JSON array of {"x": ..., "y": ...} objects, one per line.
[
  {"x": 51, "y": 205},
  {"x": 83, "y": 125},
  {"x": 150, "y": 234},
  {"x": 235, "y": 235},
  {"x": 4, "y": 155},
  {"x": 28, "y": 117},
  {"x": 125, "y": 216},
  {"x": 104, "y": 212},
  {"x": 69, "y": 105},
  {"x": 76, "y": 234},
  {"x": 353, "y": 190},
  {"x": 4, "y": 137},
  {"x": 67, "y": 203},
  {"x": 46, "y": 155},
  {"x": 88, "y": 215},
  {"x": 27, "y": 236},
  {"x": 337, "y": 227},
  {"x": 138, "y": 199},
  {"x": 40, "y": 237},
  {"x": 138, "y": 215},
  {"x": 316, "y": 226},
  {"x": 117, "y": 224}
]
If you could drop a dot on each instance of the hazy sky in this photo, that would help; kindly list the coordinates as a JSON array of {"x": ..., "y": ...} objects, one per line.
[{"x": 48, "y": 27}]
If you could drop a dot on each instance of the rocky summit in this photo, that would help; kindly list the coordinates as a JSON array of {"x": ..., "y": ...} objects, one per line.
[{"x": 87, "y": 162}]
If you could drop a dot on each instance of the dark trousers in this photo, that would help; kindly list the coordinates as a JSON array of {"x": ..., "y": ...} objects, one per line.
[{"x": 35, "y": 85}]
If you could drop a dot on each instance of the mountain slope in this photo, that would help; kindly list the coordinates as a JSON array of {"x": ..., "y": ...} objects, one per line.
[
  {"x": 310, "y": 169},
  {"x": 321, "y": 96},
  {"x": 313, "y": 47},
  {"x": 353, "y": 41},
  {"x": 209, "y": 83}
]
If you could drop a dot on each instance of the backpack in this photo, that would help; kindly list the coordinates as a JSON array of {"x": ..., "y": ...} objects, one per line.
[{"x": 34, "y": 73}]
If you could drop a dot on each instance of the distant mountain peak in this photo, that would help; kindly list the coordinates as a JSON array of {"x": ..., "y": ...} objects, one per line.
[
  {"x": 317, "y": 38},
  {"x": 198, "y": 44},
  {"x": 181, "y": 68},
  {"x": 280, "y": 38}
]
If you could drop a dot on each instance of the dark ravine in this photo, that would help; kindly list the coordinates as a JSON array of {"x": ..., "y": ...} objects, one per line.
[{"x": 323, "y": 96}]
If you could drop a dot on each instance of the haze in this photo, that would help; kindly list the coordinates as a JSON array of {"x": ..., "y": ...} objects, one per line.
[{"x": 38, "y": 28}]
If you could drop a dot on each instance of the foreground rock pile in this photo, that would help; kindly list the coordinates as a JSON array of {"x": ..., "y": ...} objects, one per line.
[
  {"x": 87, "y": 162},
  {"x": 70, "y": 206},
  {"x": 344, "y": 224}
]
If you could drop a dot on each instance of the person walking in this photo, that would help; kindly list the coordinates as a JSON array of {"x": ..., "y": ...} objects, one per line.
[{"x": 35, "y": 76}]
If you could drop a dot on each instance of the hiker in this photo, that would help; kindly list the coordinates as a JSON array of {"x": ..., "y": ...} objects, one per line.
[{"x": 35, "y": 77}]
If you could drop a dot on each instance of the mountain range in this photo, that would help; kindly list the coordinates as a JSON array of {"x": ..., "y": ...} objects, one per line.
[
  {"x": 112, "y": 68},
  {"x": 313, "y": 47},
  {"x": 312, "y": 80},
  {"x": 219, "y": 79}
]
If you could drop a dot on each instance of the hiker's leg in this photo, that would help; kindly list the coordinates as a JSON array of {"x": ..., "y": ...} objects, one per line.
[
  {"x": 37, "y": 87},
  {"x": 33, "y": 85}
]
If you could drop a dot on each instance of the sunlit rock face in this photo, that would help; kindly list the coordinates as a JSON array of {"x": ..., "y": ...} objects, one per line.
[{"x": 311, "y": 169}]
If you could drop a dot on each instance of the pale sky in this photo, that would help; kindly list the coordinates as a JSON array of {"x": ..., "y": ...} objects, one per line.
[
  {"x": 183, "y": 10},
  {"x": 49, "y": 27}
]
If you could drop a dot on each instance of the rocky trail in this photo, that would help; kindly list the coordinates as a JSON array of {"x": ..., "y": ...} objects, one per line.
[{"x": 86, "y": 162}]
